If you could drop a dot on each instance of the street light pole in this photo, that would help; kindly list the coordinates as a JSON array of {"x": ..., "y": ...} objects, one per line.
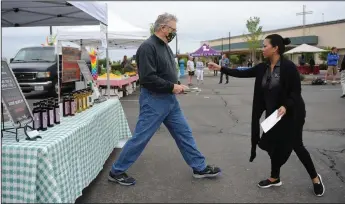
[{"x": 229, "y": 43}]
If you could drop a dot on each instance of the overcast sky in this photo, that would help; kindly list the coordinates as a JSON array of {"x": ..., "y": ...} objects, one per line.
[{"x": 197, "y": 21}]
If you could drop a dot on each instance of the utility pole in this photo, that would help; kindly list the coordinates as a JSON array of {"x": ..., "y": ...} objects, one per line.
[
  {"x": 176, "y": 46},
  {"x": 222, "y": 45},
  {"x": 323, "y": 17},
  {"x": 229, "y": 43},
  {"x": 304, "y": 13}
]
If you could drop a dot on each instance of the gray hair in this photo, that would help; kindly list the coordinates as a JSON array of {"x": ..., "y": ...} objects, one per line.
[{"x": 163, "y": 20}]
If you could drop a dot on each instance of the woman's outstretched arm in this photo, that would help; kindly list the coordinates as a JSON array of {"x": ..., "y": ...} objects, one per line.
[{"x": 246, "y": 73}]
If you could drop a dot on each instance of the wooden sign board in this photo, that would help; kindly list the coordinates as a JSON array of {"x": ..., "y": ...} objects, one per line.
[{"x": 70, "y": 68}]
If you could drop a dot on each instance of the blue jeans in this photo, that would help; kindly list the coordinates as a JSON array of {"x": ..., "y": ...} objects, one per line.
[{"x": 156, "y": 109}]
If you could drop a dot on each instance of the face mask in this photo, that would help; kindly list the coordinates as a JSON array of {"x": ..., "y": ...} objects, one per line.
[{"x": 171, "y": 36}]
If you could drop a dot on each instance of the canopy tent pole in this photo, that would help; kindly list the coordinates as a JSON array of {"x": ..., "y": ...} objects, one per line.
[{"x": 107, "y": 61}]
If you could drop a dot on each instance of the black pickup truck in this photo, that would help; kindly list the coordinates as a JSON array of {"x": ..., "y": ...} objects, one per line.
[{"x": 36, "y": 69}]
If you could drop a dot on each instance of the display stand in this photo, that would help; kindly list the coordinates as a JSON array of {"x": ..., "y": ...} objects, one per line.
[{"x": 14, "y": 130}]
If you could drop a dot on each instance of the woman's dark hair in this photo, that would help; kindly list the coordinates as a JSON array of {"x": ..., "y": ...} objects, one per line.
[
  {"x": 277, "y": 40},
  {"x": 333, "y": 48}
]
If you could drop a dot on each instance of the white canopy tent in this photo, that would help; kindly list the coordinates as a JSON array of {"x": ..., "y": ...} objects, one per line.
[
  {"x": 304, "y": 48},
  {"x": 121, "y": 34},
  {"x": 28, "y": 13}
]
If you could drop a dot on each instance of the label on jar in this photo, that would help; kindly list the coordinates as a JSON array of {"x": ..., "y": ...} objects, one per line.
[
  {"x": 51, "y": 116},
  {"x": 57, "y": 115},
  {"x": 80, "y": 104},
  {"x": 73, "y": 107},
  {"x": 44, "y": 120},
  {"x": 66, "y": 108},
  {"x": 36, "y": 121}
]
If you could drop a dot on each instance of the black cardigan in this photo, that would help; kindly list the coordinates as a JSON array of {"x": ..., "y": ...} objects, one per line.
[{"x": 290, "y": 98}]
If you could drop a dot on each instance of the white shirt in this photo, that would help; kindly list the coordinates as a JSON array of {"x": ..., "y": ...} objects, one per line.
[
  {"x": 190, "y": 65},
  {"x": 199, "y": 65}
]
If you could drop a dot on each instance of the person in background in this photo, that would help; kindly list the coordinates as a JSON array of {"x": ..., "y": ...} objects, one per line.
[
  {"x": 215, "y": 72},
  {"x": 250, "y": 63},
  {"x": 302, "y": 60},
  {"x": 190, "y": 69},
  {"x": 124, "y": 61},
  {"x": 312, "y": 64},
  {"x": 342, "y": 76},
  {"x": 278, "y": 88},
  {"x": 199, "y": 71},
  {"x": 158, "y": 104},
  {"x": 224, "y": 62},
  {"x": 332, "y": 63}
]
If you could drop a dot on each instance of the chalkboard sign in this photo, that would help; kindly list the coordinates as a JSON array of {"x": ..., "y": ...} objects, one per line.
[
  {"x": 84, "y": 69},
  {"x": 12, "y": 97}
]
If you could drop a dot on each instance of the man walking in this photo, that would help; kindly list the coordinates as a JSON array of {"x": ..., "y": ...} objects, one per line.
[
  {"x": 158, "y": 104},
  {"x": 332, "y": 62},
  {"x": 224, "y": 62},
  {"x": 342, "y": 76}
]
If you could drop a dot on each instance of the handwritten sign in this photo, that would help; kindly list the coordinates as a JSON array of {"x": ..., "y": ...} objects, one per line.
[
  {"x": 12, "y": 97},
  {"x": 70, "y": 67},
  {"x": 84, "y": 69}
]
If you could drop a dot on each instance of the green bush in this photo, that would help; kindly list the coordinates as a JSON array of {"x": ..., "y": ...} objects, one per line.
[
  {"x": 103, "y": 71},
  {"x": 234, "y": 59},
  {"x": 302, "y": 77},
  {"x": 323, "y": 55},
  {"x": 116, "y": 67}
]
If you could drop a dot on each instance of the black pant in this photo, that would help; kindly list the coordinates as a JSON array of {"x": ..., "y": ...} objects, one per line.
[
  {"x": 221, "y": 77},
  {"x": 302, "y": 154},
  {"x": 215, "y": 72}
]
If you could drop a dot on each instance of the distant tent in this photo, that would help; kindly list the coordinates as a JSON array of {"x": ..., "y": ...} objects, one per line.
[
  {"x": 305, "y": 48},
  {"x": 204, "y": 51}
]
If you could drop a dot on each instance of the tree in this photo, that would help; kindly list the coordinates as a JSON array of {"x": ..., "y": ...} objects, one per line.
[
  {"x": 152, "y": 28},
  {"x": 254, "y": 36}
]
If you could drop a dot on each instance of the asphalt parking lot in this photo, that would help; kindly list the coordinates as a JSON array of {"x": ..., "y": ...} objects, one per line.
[{"x": 220, "y": 118}]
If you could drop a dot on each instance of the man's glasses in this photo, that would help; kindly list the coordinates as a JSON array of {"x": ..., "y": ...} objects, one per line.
[{"x": 174, "y": 29}]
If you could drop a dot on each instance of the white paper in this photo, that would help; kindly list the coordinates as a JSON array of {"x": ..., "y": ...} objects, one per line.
[
  {"x": 270, "y": 121},
  {"x": 33, "y": 133}
]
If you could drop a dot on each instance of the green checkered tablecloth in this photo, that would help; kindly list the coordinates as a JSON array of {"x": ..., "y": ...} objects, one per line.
[{"x": 58, "y": 167}]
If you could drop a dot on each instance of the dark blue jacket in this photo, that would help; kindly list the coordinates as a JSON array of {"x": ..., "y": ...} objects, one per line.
[{"x": 332, "y": 59}]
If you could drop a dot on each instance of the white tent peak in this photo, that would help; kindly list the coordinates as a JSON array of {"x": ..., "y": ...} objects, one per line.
[
  {"x": 304, "y": 48},
  {"x": 115, "y": 24}
]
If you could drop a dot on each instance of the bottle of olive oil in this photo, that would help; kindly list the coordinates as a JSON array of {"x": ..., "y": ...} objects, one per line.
[
  {"x": 43, "y": 117},
  {"x": 56, "y": 112},
  {"x": 37, "y": 118}
]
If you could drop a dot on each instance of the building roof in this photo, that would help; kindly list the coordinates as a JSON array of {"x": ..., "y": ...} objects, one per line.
[{"x": 291, "y": 28}]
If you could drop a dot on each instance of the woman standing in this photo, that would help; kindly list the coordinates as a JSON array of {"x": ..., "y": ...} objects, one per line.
[
  {"x": 342, "y": 77},
  {"x": 199, "y": 70},
  {"x": 277, "y": 86},
  {"x": 190, "y": 69}
]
